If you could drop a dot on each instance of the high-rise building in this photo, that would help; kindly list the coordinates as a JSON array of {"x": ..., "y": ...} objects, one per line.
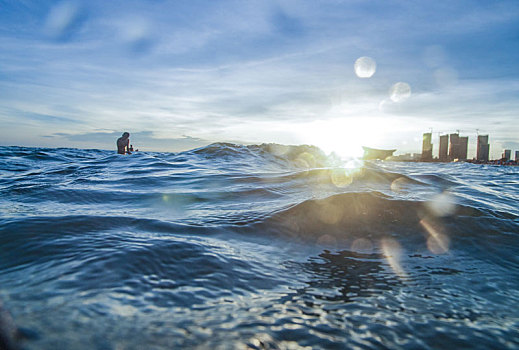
[
  {"x": 463, "y": 148},
  {"x": 427, "y": 147},
  {"x": 454, "y": 146},
  {"x": 517, "y": 156},
  {"x": 444, "y": 148},
  {"x": 483, "y": 148},
  {"x": 507, "y": 153}
]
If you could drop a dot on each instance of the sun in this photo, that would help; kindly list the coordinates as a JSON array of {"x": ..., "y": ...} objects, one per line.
[{"x": 342, "y": 136}]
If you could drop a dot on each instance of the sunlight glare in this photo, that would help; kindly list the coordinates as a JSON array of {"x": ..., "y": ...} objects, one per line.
[
  {"x": 277, "y": 150},
  {"x": 305, "y": 160},
  {"x": 344, "y": 136},
  {"x": 341, "y": 177},
  {"x": 344, "y": 176}
]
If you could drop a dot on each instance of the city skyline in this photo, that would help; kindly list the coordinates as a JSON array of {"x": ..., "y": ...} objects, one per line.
[
  {"x": 454, "y": 147},
  {"x": 335, "y": 74}
]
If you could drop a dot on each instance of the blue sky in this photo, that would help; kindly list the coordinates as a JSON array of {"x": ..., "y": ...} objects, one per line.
[{"x": 181, "y": 74}]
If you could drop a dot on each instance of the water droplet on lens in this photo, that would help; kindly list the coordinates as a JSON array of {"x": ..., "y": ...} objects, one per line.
[
  {"x": 365, "y": 67},
  {"x": 400, "y": 92}
]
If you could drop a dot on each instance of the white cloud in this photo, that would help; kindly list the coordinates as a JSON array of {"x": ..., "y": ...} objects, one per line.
[{"x": 260, "y": 70}]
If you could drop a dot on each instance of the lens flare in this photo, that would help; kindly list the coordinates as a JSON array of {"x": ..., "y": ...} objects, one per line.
[
  {"x": 344, "y": 176},
  {"x": 327, "y": 240},
  {"x": 278, "y": 150},
  {"x": 399, "y": 185},
  {"x": 175, "y": 206},
  {"x": 400, "y": 92},
  {"x": 329, "y": 213},
  {"x": 442, "y": 205},
  {"x": 392, "y": 252},
  {"x": 365, "y": 67},
  {"x": 305, "y": 160},
  {"x": 437, "y": 242},
  {"x": 363, "y": 245},
  {"x": 341, "y": 177}
]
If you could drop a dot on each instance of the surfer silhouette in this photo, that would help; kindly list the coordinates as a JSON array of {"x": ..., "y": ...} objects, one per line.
[{"x": 123, "y": 144}]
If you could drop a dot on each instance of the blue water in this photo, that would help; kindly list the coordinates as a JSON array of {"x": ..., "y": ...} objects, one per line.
[{"x": 261, "y": 247}]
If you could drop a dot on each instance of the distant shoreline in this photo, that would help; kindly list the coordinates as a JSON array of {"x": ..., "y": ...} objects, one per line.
[{"x": 472, "y": 161}]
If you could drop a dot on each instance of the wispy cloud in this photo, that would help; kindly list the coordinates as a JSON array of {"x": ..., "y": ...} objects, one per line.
[{"x": 221, "y": 70}]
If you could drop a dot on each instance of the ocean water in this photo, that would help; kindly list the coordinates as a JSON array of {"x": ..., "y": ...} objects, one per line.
[{"x": 255, "y": 247}]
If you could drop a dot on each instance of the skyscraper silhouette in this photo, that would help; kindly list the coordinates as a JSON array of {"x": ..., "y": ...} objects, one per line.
[
  {"x": 483, "y": 148},
  {"x": 453, "y": 146},
  {"x": 427, "y": 147},
  {"x": 463, "y": 148},
  {"x": 444, "y": 148},
  {"x": 458, "y": 147},
  {"x": 507, "y": 153}
]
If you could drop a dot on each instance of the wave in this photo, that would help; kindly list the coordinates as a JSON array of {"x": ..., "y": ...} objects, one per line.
[
  {"x": 300, "y": 156},
  {"x": 343, "y": 218},
  {"x": 283, "y": 188},
  {"x": 255, "y": 245}
]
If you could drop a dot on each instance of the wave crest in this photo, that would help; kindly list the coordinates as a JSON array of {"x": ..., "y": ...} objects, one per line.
[{"x": 300, "y": 156}]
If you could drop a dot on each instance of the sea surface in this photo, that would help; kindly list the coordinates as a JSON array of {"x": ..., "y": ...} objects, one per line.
[{"x": 255, "y": 247}]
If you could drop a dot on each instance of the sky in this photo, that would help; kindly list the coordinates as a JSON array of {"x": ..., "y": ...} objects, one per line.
[{"x": 182, "y": 74}]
